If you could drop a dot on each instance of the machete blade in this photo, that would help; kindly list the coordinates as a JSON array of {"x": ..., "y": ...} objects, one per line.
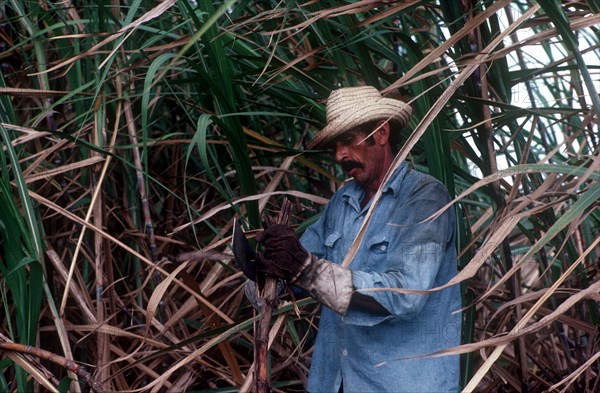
[{"x": 244, "y": 255}]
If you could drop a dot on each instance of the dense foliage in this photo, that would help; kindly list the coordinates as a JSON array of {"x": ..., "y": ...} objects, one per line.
[{"x": 133, "y": 133}]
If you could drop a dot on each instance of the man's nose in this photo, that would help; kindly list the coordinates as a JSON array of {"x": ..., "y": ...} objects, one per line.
[{"x": 341, "y": 152}]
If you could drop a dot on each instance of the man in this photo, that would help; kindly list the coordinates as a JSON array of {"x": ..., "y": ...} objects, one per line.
[{"x": 368, "y": 341}]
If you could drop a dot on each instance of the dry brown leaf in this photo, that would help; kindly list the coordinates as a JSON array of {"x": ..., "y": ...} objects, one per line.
[{"x": 158, "y": 294}]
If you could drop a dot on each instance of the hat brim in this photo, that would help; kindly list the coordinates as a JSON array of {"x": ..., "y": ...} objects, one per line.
[{"x": 382, "y": 109}]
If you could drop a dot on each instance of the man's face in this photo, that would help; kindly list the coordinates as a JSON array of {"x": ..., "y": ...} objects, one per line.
[{"x": 362, "y": 159}]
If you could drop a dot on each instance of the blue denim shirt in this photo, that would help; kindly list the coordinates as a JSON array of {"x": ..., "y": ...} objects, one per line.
[{"x": 368, "y": 352}]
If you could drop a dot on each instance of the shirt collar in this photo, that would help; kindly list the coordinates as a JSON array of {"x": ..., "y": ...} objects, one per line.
[
  {"x": 352, "y": 193},
  {"x": 395, "y": 182}
]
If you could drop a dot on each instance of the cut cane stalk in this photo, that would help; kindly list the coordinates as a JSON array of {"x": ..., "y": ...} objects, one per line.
[{"x": 267, "y": 300}]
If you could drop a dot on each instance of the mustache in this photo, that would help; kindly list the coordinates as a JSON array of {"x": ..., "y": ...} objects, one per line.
[{"x": 349, "y": 165}]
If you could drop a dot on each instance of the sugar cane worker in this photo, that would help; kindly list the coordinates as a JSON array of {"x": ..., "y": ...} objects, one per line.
[{"x": 368, "y": 340}]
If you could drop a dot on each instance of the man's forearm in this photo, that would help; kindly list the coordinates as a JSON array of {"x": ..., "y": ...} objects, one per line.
[{"x": 367, "y": 304}]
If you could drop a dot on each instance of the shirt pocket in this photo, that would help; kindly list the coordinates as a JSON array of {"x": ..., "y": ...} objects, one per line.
[{"x": 378, "y": 248}]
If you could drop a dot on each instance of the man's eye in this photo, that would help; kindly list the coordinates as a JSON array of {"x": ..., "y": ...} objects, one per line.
[{"x": 348, "y": 140}]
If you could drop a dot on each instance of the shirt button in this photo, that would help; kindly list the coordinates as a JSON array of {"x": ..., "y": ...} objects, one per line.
[{"x": 344, "y": 353}]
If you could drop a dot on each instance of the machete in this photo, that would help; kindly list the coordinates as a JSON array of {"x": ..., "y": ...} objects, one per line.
[{"x": 244, "y": 255}]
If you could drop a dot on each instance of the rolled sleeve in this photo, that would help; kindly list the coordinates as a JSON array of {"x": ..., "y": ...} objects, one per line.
[{"x": 419, "y": 265}]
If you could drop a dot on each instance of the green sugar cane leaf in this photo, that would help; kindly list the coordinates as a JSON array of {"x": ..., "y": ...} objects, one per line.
[
  {"x": 4, "y": 364},
  {"x": 133, "y": 7},
  {"x": 64, "y": 385},
  {"x": 20, "y": 265},
  {"x": 199, "y": 141},
  {"x": 294, "y": 333},
  {"x": 34, "y": 299},
  {"x": 22, "y": 248},
  {"x": 156, "y": 64},
  {"x": 33, "y": 241},
  {"x": 589, "y": 197},
  {"x": 10, "y": 230},
  {"x": 206, "y": 153}
]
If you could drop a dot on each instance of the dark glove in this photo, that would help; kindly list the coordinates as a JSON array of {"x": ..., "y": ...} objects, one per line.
[{"x": 283, "y": 256}]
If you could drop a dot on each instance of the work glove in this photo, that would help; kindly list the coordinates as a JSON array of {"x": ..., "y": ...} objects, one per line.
[
  {"x": 283, "y": 256},
  {"x": 327, "y": 282}
]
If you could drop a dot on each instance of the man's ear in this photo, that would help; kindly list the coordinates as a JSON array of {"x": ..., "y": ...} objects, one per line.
[{"x": 382, "y": 135}]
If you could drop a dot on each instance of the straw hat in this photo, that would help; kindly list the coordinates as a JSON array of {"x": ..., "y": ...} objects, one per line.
[{"x": 349, "y": 107}]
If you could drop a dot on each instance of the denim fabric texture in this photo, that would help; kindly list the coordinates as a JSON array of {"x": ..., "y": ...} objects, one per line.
[{"x": 400, "y": 249}]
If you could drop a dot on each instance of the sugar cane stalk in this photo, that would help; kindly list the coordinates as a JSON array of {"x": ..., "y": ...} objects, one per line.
[
  {"x": 70, "y": 365},
  {"x": 267, "y": 299}
]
